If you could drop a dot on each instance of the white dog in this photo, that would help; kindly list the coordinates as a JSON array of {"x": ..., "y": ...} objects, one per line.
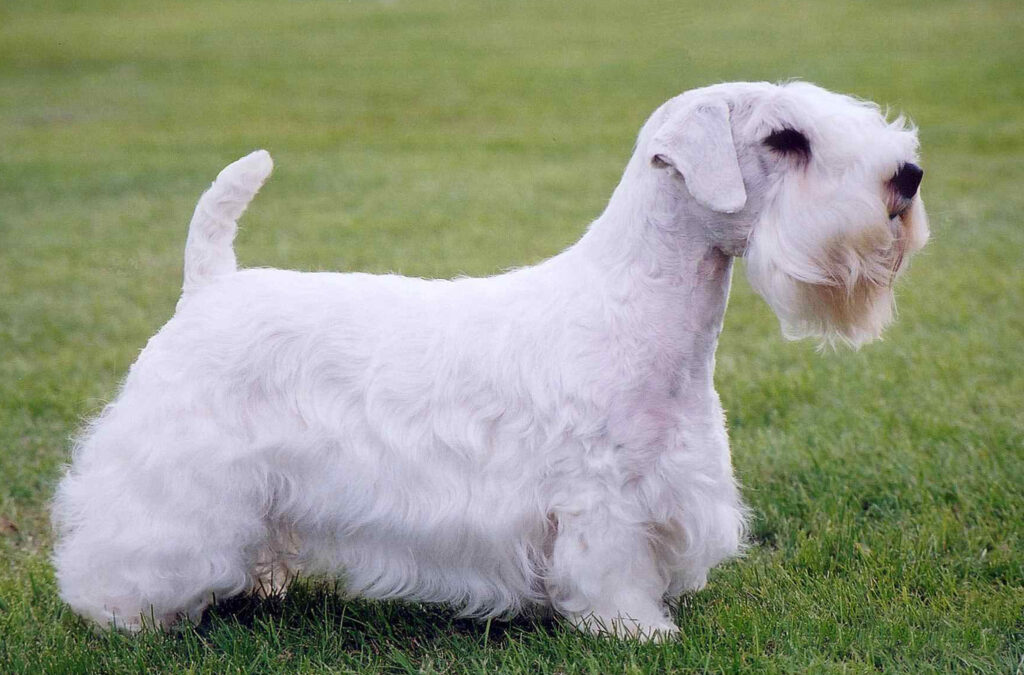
[{"x": 548, "y": 437}]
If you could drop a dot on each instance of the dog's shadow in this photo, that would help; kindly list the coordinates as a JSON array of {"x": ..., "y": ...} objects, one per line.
[{"x": 313, "y": 609}]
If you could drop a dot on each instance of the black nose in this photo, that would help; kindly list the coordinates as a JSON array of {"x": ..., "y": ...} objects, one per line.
[{"x": 907, "y": 179}]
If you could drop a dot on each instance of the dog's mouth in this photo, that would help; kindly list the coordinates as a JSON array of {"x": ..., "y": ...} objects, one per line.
[
  {"x": 898, "y": 260},
  {"x": 898, "y": 209},
  {"x": 897, "y": 225}
]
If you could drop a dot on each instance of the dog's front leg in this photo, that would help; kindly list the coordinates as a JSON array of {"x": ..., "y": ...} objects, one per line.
[{"x": 603, "y": 576}]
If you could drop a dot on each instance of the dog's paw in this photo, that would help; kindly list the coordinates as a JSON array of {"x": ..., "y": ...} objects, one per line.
[{"x": 627, "y": 628}]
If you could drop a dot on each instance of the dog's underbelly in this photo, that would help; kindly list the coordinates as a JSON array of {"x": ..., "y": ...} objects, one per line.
[
  {"x": 422, "y": 523},
  {"x": 452, "y": 539}
]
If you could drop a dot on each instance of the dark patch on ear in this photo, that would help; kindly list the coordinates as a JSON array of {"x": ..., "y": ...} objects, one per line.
[{"x": 789, "y": 142}]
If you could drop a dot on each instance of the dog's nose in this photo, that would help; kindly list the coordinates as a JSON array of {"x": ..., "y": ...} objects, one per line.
[{"x": 907, "y": 179}]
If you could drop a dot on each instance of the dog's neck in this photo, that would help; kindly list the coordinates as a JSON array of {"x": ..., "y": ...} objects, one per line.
[{"x": 664, "y": 271}]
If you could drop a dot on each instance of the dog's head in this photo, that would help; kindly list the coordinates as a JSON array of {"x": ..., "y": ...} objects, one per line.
[{"x": 817, "y": 191}]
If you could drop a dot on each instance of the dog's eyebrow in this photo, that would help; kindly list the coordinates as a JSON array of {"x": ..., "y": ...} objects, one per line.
[{"x": 789, "y": 141}]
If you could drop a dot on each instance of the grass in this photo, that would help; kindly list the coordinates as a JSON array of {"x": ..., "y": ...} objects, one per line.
[{"x": 440, "y": 138}]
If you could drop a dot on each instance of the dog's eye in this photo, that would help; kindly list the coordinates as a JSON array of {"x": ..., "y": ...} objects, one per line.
[{"x": 789, "y": 142}]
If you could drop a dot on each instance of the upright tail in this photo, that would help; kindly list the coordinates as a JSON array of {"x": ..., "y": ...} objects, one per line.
[{"x": 208, "y": 250}]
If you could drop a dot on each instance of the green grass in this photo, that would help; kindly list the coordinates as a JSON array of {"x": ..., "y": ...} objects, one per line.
[{"x": 443, "y": 138}]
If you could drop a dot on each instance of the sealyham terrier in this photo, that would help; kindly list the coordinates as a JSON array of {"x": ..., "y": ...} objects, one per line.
[{"x": 550, "y": 437}]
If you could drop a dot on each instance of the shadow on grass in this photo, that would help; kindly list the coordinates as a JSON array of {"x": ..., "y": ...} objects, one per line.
[{"x": 312, "y": 608}]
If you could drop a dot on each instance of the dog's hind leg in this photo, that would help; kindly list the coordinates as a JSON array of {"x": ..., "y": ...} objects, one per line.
[
  {"x": 147, "y": 537},
  {"x": 134, "y": 569}
]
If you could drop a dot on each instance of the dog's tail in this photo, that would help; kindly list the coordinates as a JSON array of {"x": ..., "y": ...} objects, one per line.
[{"x": 208, "y": 250}]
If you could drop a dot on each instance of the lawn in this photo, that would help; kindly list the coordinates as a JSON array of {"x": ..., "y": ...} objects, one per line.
[{"x": 443, "y": 138}]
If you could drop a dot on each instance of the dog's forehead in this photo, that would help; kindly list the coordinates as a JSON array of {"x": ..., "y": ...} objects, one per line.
[{"x": 837, "y": 125}]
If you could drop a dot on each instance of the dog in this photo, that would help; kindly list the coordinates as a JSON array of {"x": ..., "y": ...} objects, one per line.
[{"x": 545, "y": 438}]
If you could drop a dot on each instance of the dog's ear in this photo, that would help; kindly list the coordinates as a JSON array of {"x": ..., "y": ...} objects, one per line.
[{"x": 697, "y": 142}]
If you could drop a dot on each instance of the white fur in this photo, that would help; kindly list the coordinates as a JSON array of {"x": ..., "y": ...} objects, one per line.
[{"x": 546, "y": 437}]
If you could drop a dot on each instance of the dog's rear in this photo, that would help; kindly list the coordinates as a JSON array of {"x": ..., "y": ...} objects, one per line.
[{"x": 123, "y": 557}]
